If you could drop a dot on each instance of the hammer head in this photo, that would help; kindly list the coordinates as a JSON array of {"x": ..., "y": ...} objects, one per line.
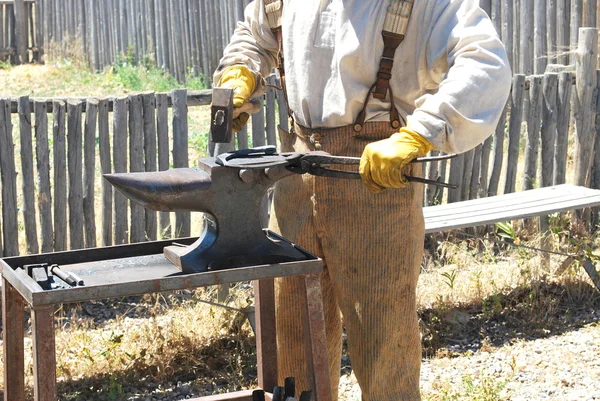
[{"x": 221, "y": 115}]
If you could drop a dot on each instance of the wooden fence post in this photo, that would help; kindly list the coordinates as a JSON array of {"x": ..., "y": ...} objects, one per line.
[
  {"x": 136, "y": 164},
  {"x": 565, "y": 84},
  {"x": 8, "y": 175},
  {"x": 75, "y": 173},
  {"x": 492, "y": 189},
  {"x": 42, "y": 153},
  {"x": 21, "y": 34},
  {"x": 162, "y": 132},
  {"x": 150, "y": 160},
  {"x": 89, "y": 172},
  {"x": 533, "y": 132},
  {"x": 29, "y": 215},
  {"x": 548, "y": 136},
  {"x": 585, "y": 104},
  {"x": 105, "y": 166},
  {"x": 514, "y": 132},
  {"x": 562, "y": 30},
  {"x": 540, "y": 47},
  {"x": 180, "y": 152},
  {"x": 59, "y": 113},
  {"x": 120, "y": 110}
]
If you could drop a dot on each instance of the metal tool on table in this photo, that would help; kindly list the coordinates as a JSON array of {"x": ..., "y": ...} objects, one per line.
[
  {"x": 315, "y": 163},
  {"x": 46, "y": 276}
]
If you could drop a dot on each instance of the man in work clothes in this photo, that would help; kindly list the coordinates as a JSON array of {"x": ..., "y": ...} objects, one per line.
[{"x": 388, "y": 80}]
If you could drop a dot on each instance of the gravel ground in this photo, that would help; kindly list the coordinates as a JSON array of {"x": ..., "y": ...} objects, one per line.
[{"x": 563, "y": 368}]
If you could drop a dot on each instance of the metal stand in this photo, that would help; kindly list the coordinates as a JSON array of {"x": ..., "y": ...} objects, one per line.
[{"x": 108, "y": 278}]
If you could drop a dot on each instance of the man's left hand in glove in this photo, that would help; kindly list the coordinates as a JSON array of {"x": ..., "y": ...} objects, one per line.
[
  {"x": 382, "y": 162},
  {"x": 242, "y": 81}
]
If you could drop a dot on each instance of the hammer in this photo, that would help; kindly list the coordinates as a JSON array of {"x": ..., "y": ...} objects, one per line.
[{"x": 221, "y": 115}]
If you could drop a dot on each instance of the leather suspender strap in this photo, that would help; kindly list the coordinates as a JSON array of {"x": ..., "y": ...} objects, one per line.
[{"x": 394, "y": 29}]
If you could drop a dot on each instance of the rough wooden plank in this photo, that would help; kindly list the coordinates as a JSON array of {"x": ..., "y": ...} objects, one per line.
[
  {"x": 465, "y": 186},
  {"x": 150, "y": 161},
  {"x": 540, "y": 47},
  {"x": 562, "y": 30},
  {"x": 180, "y": 152},
  {"x": 498, "y": 143},
  {"x": 271, "y": 129},
  {"x": 28, "y": 186},
  {"x": 509, "y": 207},
  {"x": 60, "y": 175},
  {"x": 162, "y": 131},
  {"x": 105, "y": 166},
  {"x": 507, "y": 31},
  {"x": 432, "y": 172},
  {"x": 565, "y": 85},
  {"x": 136, "y": 164},
  {"x": 526, "y": 26},
  {"x": 548, "y": 136},
  {"x": 120, "y": 166},
  {"x": 21, "y": 35},
  {"x": 584, "y": 105},
  {"x": 8, "y": 176},
  {"x": 574, "y": 24},
  {"x": 456, "y": 173},
  {"x": 258, "y": 127},
  {"x": 475, "y": 174},
  {"x": 514, "y": 200},
  {"x": 75, "y": 172},
  {"x": 534, "y": 122},
  {"x": 514, "y": 132},
  {"x": 42, "y": 153},
  {"x": 549, "y": 20},
  {"x": 89, "y": 172},
  {"x": 486, "y": 151}
]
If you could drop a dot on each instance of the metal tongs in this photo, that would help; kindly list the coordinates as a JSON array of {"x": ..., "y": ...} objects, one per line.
[
  {"x": 315, "y": 163},
  {"x": 319, "y": 163}
]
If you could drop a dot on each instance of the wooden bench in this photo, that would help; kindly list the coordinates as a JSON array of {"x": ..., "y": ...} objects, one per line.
[{"x": 514, "y": 206}]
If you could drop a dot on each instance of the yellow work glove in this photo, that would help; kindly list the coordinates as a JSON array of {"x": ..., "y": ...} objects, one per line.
[
  {"x": 242, "y": 81},
  {"x": 382, "y": 162}
]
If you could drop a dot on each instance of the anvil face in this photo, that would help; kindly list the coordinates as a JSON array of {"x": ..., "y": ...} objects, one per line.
[{"x": 231, "y": 197}]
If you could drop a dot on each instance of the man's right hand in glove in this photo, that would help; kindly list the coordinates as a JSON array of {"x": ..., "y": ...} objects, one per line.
[{"x": 242, "y": 81}]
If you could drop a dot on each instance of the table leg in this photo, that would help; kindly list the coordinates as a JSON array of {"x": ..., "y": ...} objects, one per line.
[
  {"x": 315, "y": 338},
  {"x": 266, "y": 340},
  {"x": 44, "y": 354},
  {"x": 13, "y": 319}
]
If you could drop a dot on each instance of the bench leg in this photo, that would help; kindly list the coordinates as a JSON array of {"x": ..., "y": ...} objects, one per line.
[
  {"x": 44, "y": 354},
  {"x": 315, "y": 339},
  {"x": 13, "y": 319},
  {"x": 266, "y": 340}
]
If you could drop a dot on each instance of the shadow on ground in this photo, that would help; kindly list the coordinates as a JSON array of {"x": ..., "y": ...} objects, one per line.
[{"x": 530, "y": 312}]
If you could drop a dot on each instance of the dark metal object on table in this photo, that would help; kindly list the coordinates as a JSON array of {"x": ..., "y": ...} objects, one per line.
[
  {"x": 233, "y": 235},
  {"x": 221, "y": 115}
]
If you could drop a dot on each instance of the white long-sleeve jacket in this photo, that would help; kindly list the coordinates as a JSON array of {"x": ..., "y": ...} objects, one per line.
[{"x": 450, "y": 79}]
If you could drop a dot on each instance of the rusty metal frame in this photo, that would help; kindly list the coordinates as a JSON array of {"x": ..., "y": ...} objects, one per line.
[{"x": 18, "y": 289}]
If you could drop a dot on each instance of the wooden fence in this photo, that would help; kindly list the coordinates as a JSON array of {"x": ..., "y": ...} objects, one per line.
[
  {"x": 188, "y": 36},
  {"x": 50, "y": 196}
]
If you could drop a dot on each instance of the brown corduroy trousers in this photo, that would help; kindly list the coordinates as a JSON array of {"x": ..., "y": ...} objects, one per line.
[{"x": 372, "y": 246}]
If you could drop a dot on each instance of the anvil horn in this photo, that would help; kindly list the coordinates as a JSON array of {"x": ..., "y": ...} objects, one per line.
[{"x": 170, "y": 190}]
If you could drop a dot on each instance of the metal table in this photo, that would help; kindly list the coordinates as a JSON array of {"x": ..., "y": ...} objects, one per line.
[{"x": 136, "y": 269}]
